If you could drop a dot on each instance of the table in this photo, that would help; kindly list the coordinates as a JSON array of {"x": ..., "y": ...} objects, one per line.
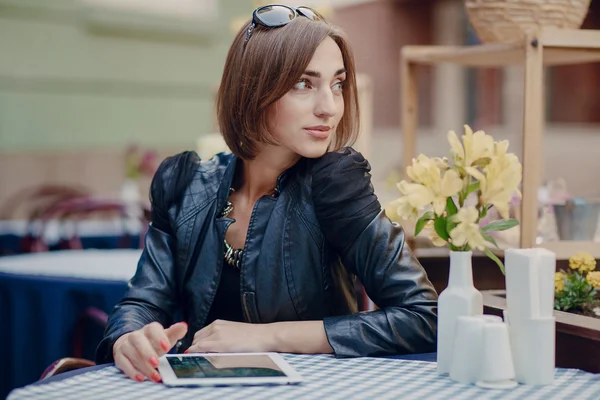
[
  {"x": 325, "y": 377},
  {"x": 42, "y": 295},
  {"x": 94, "y": 234},
  {"x": 429, "y": 357}
]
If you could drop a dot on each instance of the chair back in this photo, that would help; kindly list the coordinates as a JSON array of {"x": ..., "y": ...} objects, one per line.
[
  {"x": 69, "y": 213},
  {"x": 32, "y": 202}
]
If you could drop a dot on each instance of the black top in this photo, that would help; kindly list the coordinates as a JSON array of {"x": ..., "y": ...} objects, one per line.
[{"x": 227, "y": 304}]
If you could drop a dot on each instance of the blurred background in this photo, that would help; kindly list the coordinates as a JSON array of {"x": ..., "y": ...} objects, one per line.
[
  {"x": 95, "y": 93},
  {"x": 81, "y": 81}
]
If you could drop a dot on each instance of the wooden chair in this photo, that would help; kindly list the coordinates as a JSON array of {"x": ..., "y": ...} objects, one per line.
[
  {"x": 93, "y": 315},
  {"x": 32, "y": 202},
  {"x": 78, "y": 209},
  {"x": 64, "y": 365}
]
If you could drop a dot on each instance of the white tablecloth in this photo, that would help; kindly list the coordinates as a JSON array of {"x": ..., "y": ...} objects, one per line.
[
  {"x": 117, "y": 265},
  {"x": 325, "y": 378},
  {"x": 55, "y": 229}
]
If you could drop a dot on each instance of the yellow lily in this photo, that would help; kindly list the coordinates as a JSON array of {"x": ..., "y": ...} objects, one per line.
[
  {"x": 467, "y": 229},
  {"x": 498, "y": 181},
  {"x": 478, "y": 147},
  {"x": 417, "y": 195},
  {"x": 449, "y": 185},
  {"x": 427, "y": 172}
]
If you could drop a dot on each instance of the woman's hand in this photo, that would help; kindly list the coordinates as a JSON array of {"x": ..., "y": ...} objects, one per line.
[
  {"x": 306, "y": 337},
  {"x": 136, "y": 353},
  {"x": 232, "y": 337}
]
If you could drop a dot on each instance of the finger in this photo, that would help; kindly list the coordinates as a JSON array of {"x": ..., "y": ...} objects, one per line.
[
  {"x": 155, "y": 333},
  {"x": 123, "y": 363},
  {"x": 203, "y": 333},
  {"x": 144, "y": 367},
  {"x": 143, "y": 356},
  {"x": 207, "y": 346},
  {"x": 176, "y": 332}
]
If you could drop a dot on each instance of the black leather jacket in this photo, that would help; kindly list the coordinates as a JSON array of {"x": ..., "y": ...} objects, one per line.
[{"x": 304, "y": 247}]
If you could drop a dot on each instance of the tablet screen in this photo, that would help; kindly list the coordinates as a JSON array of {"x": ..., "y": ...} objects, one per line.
[{"x": 239, "y": 366}]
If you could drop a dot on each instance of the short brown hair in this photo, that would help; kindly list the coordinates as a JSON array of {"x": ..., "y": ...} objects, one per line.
[{"x": 262, "y": 70}]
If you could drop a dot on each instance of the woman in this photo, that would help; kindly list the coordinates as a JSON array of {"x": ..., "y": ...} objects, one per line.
[{"x": 258, "y": 250}]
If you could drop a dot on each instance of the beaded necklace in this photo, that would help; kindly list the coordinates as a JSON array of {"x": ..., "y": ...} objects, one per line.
[{"x": 233, "y": 256}]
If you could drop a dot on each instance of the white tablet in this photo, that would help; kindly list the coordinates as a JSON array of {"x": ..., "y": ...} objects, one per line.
[{"x": 218, "y": 369}]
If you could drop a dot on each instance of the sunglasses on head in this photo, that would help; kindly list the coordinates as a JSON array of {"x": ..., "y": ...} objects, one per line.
[{"x": 276, "y": 15}]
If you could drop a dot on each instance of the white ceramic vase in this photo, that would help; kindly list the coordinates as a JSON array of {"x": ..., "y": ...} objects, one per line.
[{"x": 460, "y": 298}]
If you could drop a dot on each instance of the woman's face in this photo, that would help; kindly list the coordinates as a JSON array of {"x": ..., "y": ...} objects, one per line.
[{"x": 305, "y": 119}]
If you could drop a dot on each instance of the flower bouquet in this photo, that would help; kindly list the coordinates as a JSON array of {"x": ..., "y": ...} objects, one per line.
[
  {"x": 576, "y": 290},
  {"x": 139, "y": 162},
  {"x": 450, "y": 198}
]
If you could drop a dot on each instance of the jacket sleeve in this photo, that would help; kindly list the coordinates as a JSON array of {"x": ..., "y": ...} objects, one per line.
[
  {"x": 152, "y": 294},
  {"x": 374, "y": 249}
]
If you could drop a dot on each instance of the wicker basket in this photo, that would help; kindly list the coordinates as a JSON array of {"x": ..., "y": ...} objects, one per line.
[{"x": 506, "y": 21}]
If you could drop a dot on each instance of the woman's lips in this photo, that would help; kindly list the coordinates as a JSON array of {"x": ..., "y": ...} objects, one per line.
[{"x": 318, "y": 132}]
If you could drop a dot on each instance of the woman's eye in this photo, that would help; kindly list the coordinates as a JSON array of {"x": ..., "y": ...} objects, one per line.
[
  {"x": 302, "y": 85},
  {"x": 338, "y": 86}
]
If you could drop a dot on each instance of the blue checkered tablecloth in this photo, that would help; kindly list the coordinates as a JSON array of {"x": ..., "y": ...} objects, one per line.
[{"x": 324, "y": 377}]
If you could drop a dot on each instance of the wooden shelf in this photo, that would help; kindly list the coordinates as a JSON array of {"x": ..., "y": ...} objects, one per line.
[
  {"x": 565, "y": 249},
  {"x": 541, "y": 48},
  {"x": 561, "y": 47},
  {"x": 500, "y": 55}
]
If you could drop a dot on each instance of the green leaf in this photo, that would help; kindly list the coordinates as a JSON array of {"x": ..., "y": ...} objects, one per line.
[
  {"x": 473, "y": 187},
  {"x": 453, "y": 247},
  {"x": 451, "y": 210},
  {"x": 490, "y": 239},
  {"x": 500, "y": 225},
  {"x": 451, "y": 207},
  {"x": 422, "y": 221},
  {"x": 483, "y": 212},
  {"x": 440, "y": 228},
  {"x": 450, "y": 224},
  {"x": 496, "y": 260},
  {"x": 576, "y": 294}
]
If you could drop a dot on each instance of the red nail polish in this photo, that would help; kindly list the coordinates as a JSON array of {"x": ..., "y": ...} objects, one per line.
[
  {"x": 154, "y": 361},
  {"x": 186, "y": 351},
  {"x": 164, "y": 345},
  {"x": 139, "y": 378},
  {"x": 155, "y": 377}
]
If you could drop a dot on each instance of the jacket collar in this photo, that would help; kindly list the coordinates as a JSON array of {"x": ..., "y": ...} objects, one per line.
[
  {"x": 230, "y": 166},
  {"x": 226, "y": 180}
]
